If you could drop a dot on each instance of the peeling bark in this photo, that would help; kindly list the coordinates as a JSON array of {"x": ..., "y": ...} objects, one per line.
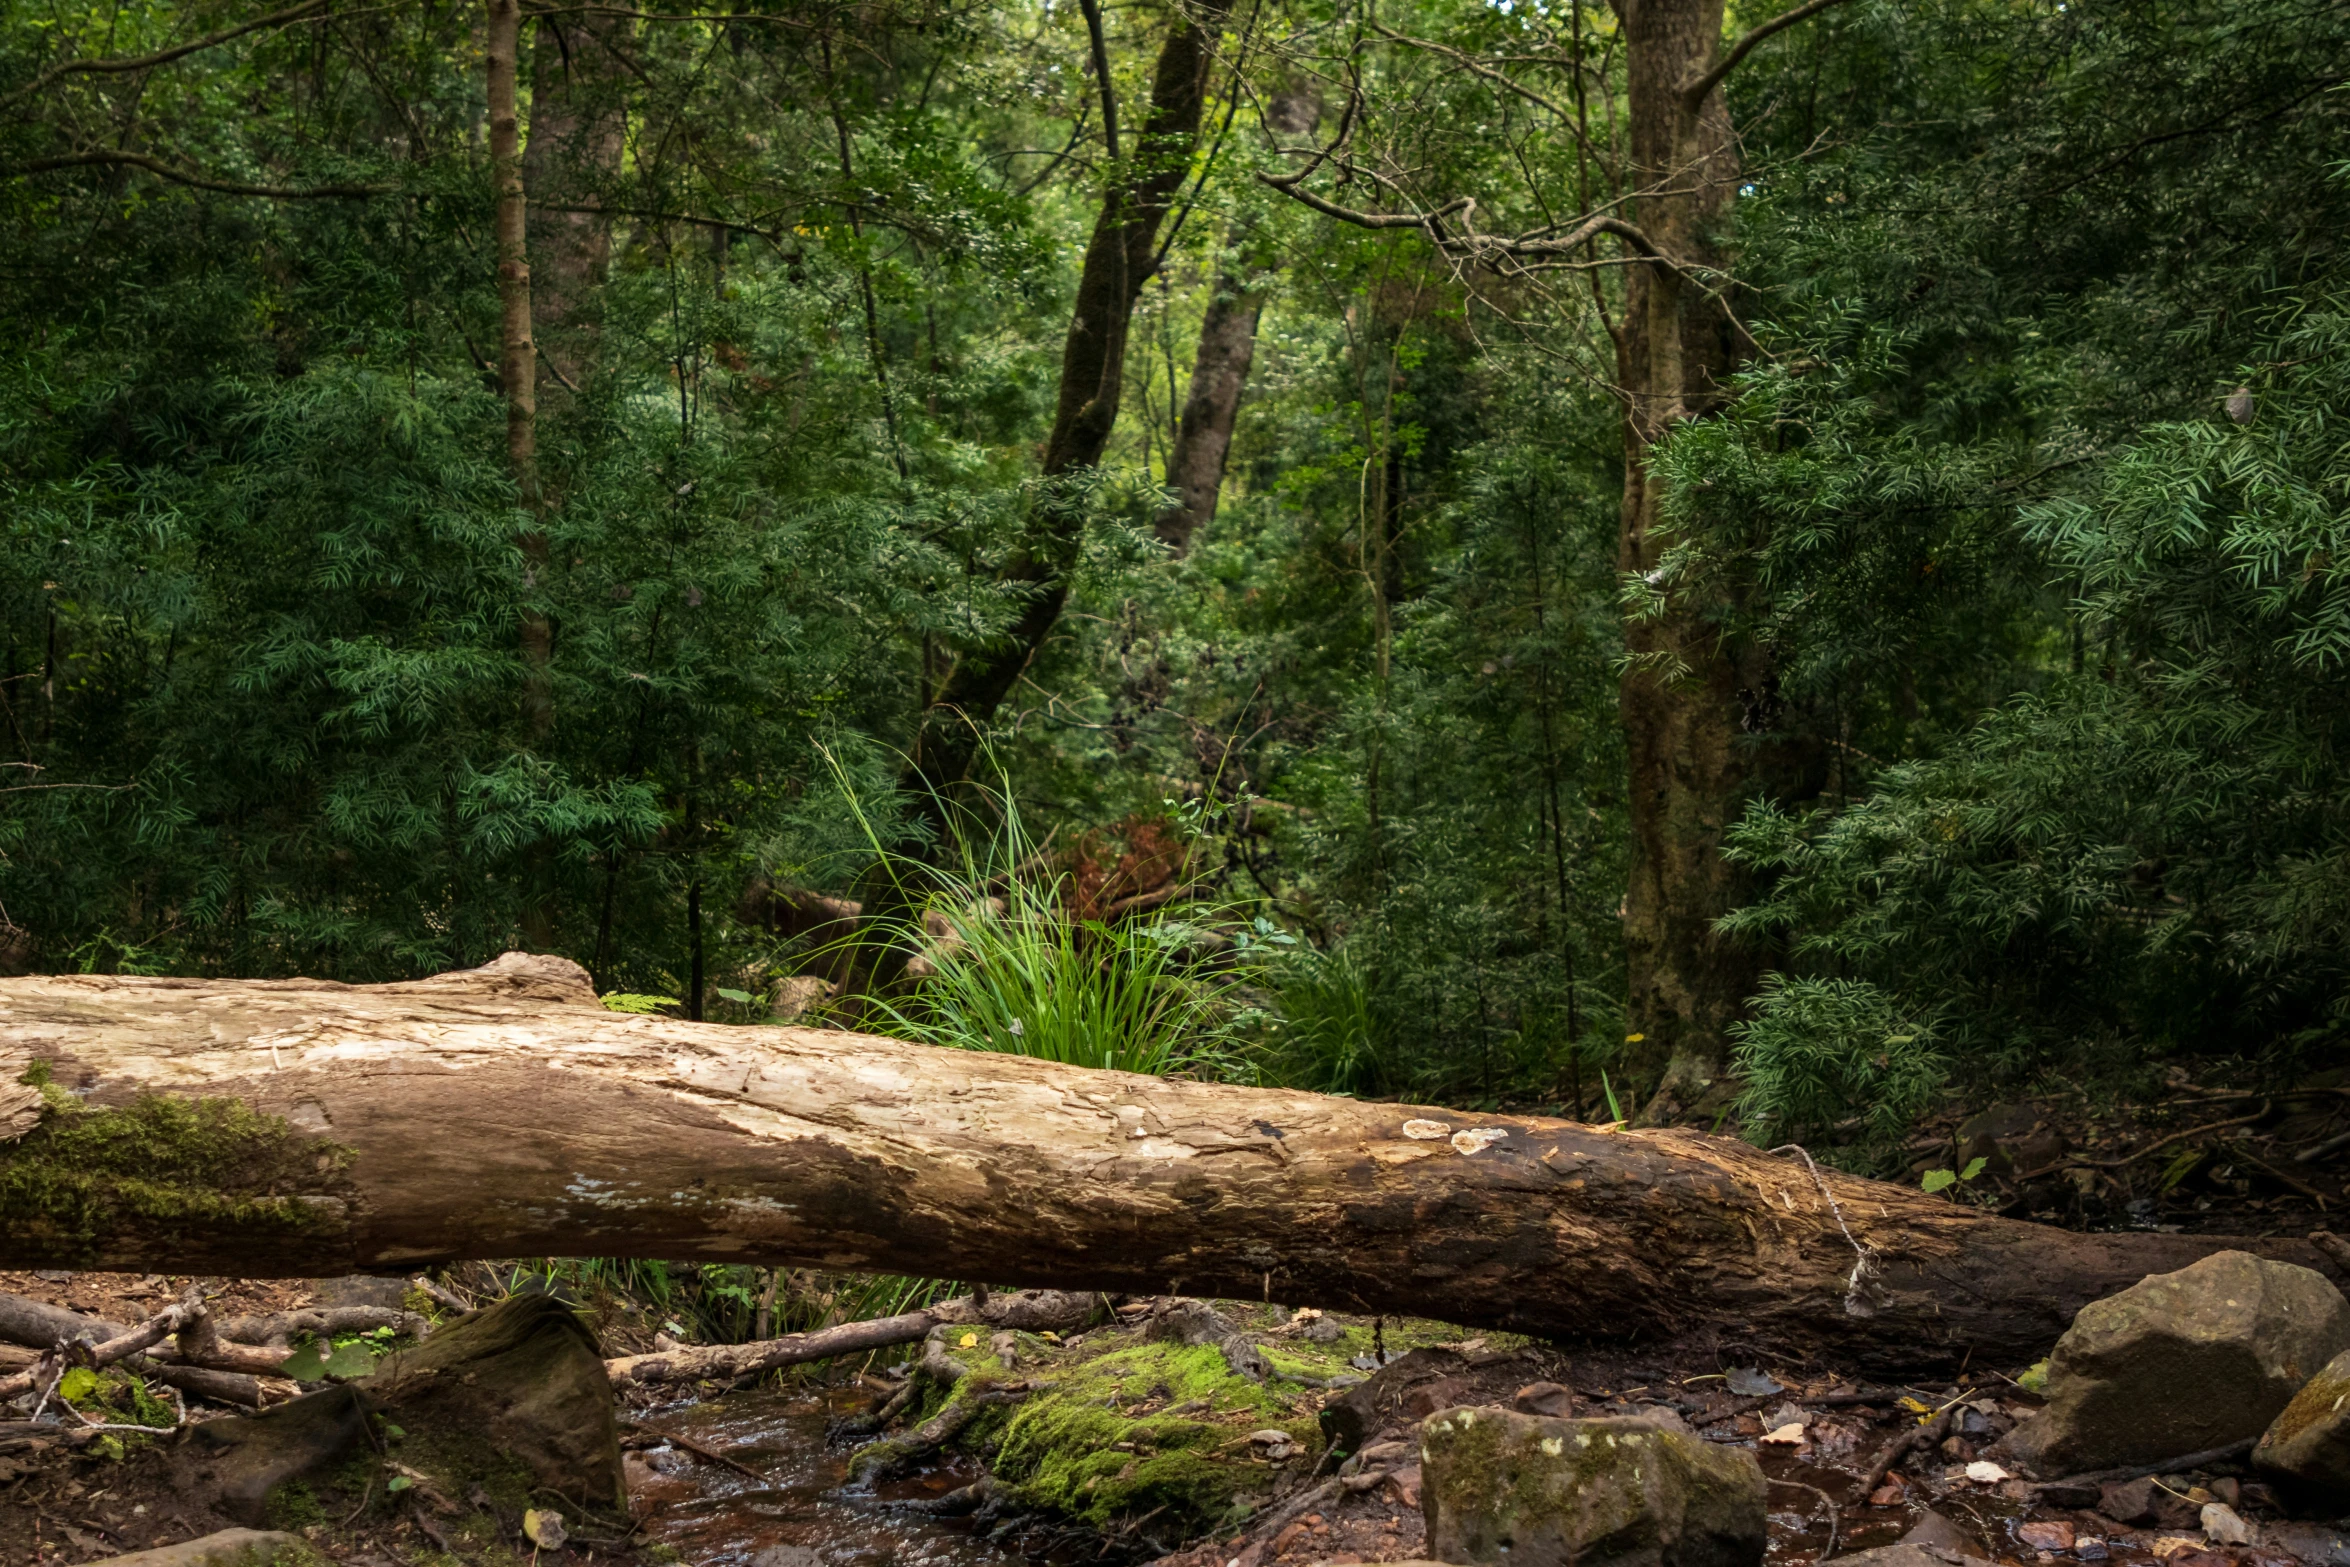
[{"x": 500, "y": 1112}]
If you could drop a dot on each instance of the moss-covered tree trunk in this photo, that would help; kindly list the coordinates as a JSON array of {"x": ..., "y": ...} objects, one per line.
[
  {"x": 1689, "y": 678},
  {"x": 305, "y": 1128}
]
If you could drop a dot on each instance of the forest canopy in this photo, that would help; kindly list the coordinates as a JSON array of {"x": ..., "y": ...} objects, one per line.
[{"x": 1789, "y": 559}]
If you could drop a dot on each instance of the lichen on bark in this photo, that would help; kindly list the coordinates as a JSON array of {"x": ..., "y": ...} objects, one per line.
[{"x": 107, "y": 1181}]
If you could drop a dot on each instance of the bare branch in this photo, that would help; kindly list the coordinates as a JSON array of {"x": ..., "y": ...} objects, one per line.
[
  {"x": 138, "y": 160},
  {"x": 1693, "y": 96},
  {"x": 1467, "y": 243},
  {"x": 165, "y": 56},
  {"x": 1471, "y": 63}
]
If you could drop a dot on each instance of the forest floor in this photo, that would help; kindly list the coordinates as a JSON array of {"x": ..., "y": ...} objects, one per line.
[{"x": 1124, "y": 1450}]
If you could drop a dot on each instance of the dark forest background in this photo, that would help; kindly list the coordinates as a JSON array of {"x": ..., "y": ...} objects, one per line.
[{"x": 875, "y": 541}]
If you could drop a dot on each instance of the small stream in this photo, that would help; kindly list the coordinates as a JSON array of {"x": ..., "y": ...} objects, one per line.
[{"x": 795, "y": 1515}]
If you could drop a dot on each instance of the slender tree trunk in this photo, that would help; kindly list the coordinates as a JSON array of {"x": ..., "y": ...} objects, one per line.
[
  {"x": 1118, "y": 262},
  {"x": 1227, "y": 345},
  {"x": 518, "y": 350},
  {"x": 1682, "y": 691},
  {"x": 518, "y": 372},
  {"x": 1211, "y": 404},
  {"x": 578, "y": 127},
  {"x": 304, "y": 1128}
]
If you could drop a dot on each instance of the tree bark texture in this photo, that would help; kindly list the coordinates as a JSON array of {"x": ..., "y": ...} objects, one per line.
[
  {"x": 518, "y": 365},
  {"x": 1118, "y": 262},
  {"x": 1227, "y": 345},
  {"x": 517, "y": 350},
  {"x": 1211, "y": 404},
  {"x": 299, "y": 1127},
  {"x": 578, "y": 125},
  {"x": 1688, "y": 682}
]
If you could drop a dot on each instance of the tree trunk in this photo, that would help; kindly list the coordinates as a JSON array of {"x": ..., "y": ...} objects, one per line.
[
  {"x": 1227, "y": 345},
  {"x": 298, "y": 1127},
  {"x": 1683, "y": 689},
  {"x": 518, "y": 373},
  {"x": 517, "y": 351},
  {"x": 578, "y": 125},
  {"x": 1118, "y": 262},
  {"x": 1211, "y": 404}
]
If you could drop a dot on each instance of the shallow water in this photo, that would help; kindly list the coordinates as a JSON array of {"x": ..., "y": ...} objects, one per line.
[{"x": 795, "y": 1514}]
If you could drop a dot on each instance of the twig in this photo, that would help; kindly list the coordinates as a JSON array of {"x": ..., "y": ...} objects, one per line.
[
  {"x": 2317, "y": 1151},
  {"x": 1926, "y": 1434},
  {"x": 2133, "y": 1158},
  {"x": 441, "y": 1294},
  {"x": 2258, "y": 1163},
  {"x": 1826, "y": 1501},
  {"x": 2180, "y": 1465},
  {"x": 709, "y": 1455}
]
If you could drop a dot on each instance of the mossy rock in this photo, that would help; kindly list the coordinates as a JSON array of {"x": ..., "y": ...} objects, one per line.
[
  {"x": 1129, "y": 1427},
  {"x": 2307, "y": 1448},
  {"x": 1613, "y": 1492}
]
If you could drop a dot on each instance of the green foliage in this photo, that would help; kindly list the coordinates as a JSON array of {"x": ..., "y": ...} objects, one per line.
[
  {"x": 1820, "y": 1049},
  {"x": 1005, "y": 960},
  {"x": 636, "y": 1005},
  {"x": 2043, "y": 726}
]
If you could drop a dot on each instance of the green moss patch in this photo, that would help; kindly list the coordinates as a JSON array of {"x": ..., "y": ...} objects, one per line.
[
  {"x": 116, "y": 1396},
  {"x": 1129, "y": 1428},
  {"x": 89, "y": 1179}
]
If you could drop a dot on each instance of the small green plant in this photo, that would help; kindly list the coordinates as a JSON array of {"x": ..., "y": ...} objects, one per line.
[
  {"x": 640, "y": 1006},
  {"x": 1327, "y": 1038},
  {"x": 1614, "y": 1111},
  {"x": 1000, "y": 961},
  {"x": 1943, "y": 1180}
]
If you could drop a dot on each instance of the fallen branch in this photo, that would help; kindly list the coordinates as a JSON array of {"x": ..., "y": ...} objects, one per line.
[
  {"x": 201, "y": 1345},
  {"x": 706, "y": 1454},
  {"x": 321, "y": 1322},
  {"x": 2168, "y": 1466},
  {"x": 43, "y": 1373},
  {"x": 222, "y": 1387},
  {"x": 1031, "y": 1310},
  {"x": 39, "y": 1326}
]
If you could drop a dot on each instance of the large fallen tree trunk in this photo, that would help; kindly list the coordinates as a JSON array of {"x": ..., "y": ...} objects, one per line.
[{"x": 297, "y": 1127}]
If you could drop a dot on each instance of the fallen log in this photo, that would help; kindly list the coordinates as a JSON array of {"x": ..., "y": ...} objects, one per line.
[{"x": 304, "y": 1128}]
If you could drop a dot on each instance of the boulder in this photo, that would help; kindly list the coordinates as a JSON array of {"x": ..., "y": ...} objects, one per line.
[
  {"x": 228, "y": 1548},
  {"x": 363, "y": 1289},
  {"x": 518, "y": 1384},
  {"x": 2182, "y": 1362},
  {"x": 1368, "y": 1408},
  {"x": 2314, "y": 1543},
  {"x": 1609, "y": 1492},
  {"x": 2306, "y": 1449}
]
